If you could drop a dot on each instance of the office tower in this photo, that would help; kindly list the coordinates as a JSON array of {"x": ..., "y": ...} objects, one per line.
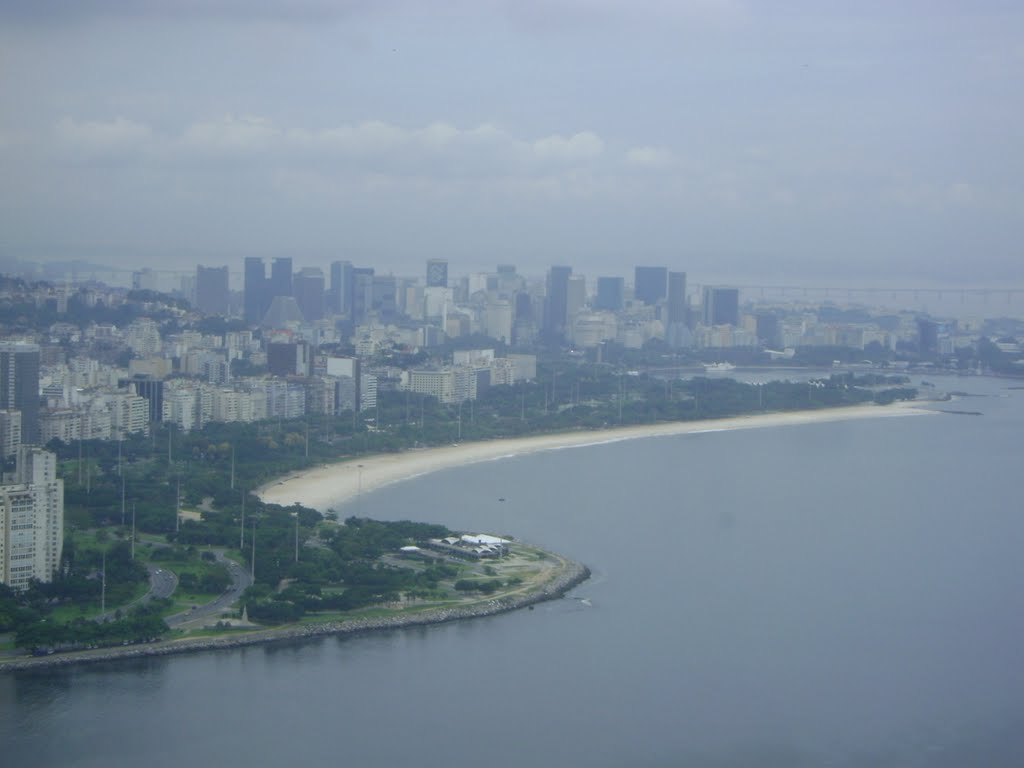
[
  {"x": 498, "y": 319},
  {"x": 309, "y": 293},
  {"x": 340, "y": 301},
  {"x": 437, "y": 273},
  {"x": 556, "y": 304},
  {"x": 348, "y": 373},
  {"x": 649, "y": 284},
  {"x": 676, "y": 303},
  {"x": 523, "y": 306},
  {"x": 576, "y": 297},
  {"x": 610, "y": 291},
  {"x": 384, "y": 295},
  {"x": 677, "y": 331},
  {"x": 19, "y": 385},
  {"x": 288, "y": 358},
  {"x": 768, "y": 329},
  {"x": 150, "y": 388},
  {"x": 31, "y": 520},
  {"x": 280, "y": 278},
  {"x": 721, "y": 306},
  {"x": 362, "y": 293},
  {"x": 255, "y": 302},
  {"x": 927, "y": 336},
  {"x": 212, "y": 290}
]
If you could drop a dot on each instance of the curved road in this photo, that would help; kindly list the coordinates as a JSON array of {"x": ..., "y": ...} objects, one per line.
[
  {"x": 163, "y": 582},
  {"x": 240, "y": 581}
]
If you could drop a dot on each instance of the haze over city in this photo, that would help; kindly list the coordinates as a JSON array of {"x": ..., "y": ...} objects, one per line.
[
  {"x": 527, "y": 382},
  {"x": 866, "y": 143}
]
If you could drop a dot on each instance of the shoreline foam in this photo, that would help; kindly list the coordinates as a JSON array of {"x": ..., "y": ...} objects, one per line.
[{"x": 344, "y": 481}]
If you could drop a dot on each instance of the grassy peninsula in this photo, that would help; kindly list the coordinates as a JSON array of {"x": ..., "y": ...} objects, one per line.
[{"x": 189, "y": 497}]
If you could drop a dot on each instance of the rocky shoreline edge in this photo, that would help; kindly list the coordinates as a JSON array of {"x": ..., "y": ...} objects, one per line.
[{"x": 572, "y": 575}]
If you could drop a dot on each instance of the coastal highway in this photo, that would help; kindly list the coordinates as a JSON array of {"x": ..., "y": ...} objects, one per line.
[
  {"x": 162, "y": 583},
  {"x": 199, "y": 615}
]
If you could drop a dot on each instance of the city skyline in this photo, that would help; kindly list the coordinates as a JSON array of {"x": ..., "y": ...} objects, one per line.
[{"x": 726, "y": 138}]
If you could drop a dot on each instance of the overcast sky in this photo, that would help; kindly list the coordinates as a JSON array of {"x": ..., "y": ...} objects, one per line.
[{"x": 861, "y": 142}]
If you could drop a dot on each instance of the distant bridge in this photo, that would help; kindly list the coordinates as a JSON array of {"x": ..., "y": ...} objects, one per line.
[{"x": 851, "y": 293}]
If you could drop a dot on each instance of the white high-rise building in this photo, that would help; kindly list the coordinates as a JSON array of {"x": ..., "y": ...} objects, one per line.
[
  {"x": 367, "y": 391},
  {"x": 10, "y": 432},
  {"x": 31, "y": 519},
  {"x": 129, "y": 413}
]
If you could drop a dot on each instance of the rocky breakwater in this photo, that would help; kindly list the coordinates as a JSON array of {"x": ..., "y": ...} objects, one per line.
[{"x": 568, "y": 575}]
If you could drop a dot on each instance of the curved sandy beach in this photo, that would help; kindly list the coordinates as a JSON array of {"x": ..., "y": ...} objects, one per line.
[{"x": 334, "y": 484}]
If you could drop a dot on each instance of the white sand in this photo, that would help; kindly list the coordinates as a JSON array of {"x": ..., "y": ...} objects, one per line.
[{"x": 334, "y": 484}]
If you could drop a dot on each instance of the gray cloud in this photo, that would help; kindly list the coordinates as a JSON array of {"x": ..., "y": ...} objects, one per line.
[
  {"x": 873, "y": 137},
  {"x": 298, "y": 11}
]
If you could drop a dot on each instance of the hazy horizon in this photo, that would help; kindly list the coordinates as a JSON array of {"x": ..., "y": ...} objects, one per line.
[{"x": 872, "y": 145}]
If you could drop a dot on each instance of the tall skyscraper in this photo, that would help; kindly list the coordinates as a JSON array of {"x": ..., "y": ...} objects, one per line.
[
  {"x": 610, "y": 291},
  {"x": 649, "y": 284},
  {"x": 576, "y": 297},
  {"x": 556, "y": 303},
  {"x": 342, "y": 284},
  {"x": 256, "y": 302},
  {"x": 280, "y": 278},
  {"x": 384, "y": 295},
  {"x": 523, "y": 306},
  {"x": 362, "y": 293},
  {"x": 31, "y": 520},
  {"x": 437, "y": 273},
  {"x": 212, "y": 290},
  {"x": 677, "y": 332},
  {"x": 19, "y": 385},
  {"x": 927, "y": 336},
  {"x": 676, "y": 303},
  {"x": 721, "y": 306},
  {"x": 309, "y": 293}
]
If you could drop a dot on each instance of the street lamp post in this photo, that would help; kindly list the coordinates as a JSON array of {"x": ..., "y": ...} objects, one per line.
[
  {"x": 253, "y": 571},
  {"x": 241, "y": 533}
]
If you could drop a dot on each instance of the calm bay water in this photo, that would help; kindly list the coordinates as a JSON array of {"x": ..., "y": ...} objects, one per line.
[{"x": 837, "y": 594}]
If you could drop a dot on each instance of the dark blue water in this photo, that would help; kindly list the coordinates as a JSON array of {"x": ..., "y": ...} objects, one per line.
[{"x": 838, "y": 594}]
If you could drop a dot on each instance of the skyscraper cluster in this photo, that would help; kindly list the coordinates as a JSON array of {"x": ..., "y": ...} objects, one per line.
[
  {"x": 501, "y": 304},
  {"x": 659, "y": 296}
]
